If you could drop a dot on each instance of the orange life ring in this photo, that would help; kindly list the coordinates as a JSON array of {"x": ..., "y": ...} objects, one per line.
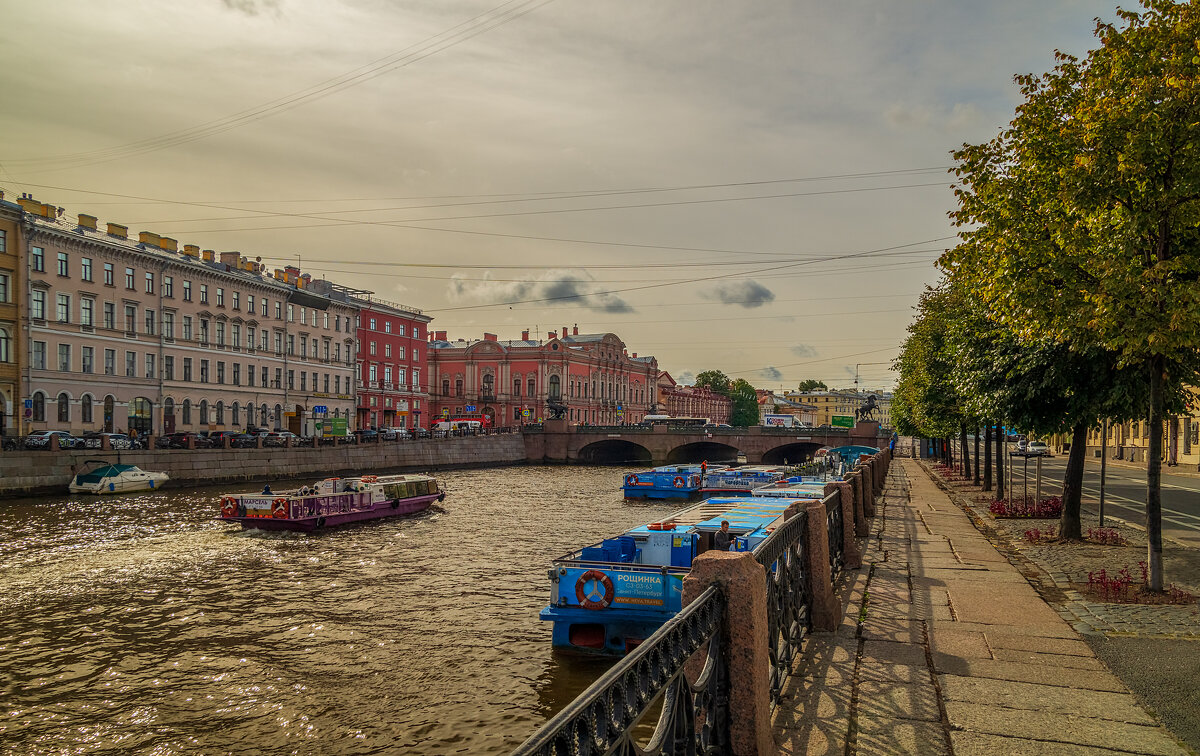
[
  {"x": 279, "y": 509},
  {"x": 369, "y": 478},
  {"x": 679, "y": 481},
  {"x": 594, "y": 590},
  {"x": 661, "y": 526},
  {"x": 229, "y": 507},
  {"x": 633, "y": 480}
]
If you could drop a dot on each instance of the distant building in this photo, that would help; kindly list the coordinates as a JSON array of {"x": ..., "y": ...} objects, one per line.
[
  {"x": 509, "y": 382},
  {"x": 829, "y": 403},
  {"x": 692, "y": 401},
  {"x": 769, "y": 403},
  {"x": 12, "y": 342}
]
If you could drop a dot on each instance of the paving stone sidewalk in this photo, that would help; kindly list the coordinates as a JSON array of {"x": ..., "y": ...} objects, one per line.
[{"x": 945, "y": 648}]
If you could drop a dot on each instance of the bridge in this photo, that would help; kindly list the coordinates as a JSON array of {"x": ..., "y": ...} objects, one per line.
[{"x": 559, "y": 441}]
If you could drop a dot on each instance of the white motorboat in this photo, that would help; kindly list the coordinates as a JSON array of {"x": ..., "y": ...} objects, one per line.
[{"x": 109, "y": 478}]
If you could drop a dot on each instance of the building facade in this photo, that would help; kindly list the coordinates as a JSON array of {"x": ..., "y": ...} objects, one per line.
[
  {"x": 507, "y": 383},
  {"x": 393, "y": 361},
  {"x": 845, "y": 403},
  {"x": 126, "y": 334},
  {"x": 12, "y": 281},
  {"x": 678, "y": 400}
]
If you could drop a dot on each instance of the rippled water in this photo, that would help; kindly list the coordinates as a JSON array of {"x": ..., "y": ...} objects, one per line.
[{"x": 138, "y": 624}]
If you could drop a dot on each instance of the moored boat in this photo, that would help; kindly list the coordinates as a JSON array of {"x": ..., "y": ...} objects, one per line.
[
  {"x": 667, "y": 482},
  {"x": 109, "y": 478},
  {"x": 739, "y": 481},
  {"x": 332, "y": 502},
  {"x": 607, "y": 598}
]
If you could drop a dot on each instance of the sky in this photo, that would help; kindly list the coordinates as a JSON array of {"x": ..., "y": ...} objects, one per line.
[{"x": 758, "y": 187}]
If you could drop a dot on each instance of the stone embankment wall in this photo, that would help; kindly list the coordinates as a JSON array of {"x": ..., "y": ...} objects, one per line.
[{"x": 31, "y": 472}]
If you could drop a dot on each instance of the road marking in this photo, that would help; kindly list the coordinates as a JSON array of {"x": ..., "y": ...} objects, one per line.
[{"x": 1142, "y": 510}]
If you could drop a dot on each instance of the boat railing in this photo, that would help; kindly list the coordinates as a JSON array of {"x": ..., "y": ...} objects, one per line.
[
  {"x": 573, "y": 561},
  {"x": 694, "y": 717}
]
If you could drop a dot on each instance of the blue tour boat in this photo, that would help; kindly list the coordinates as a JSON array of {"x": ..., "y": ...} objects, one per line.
[
  {"x": 608, "y": 597},
  {"x": 740, "y": 481},
  {"x": 668, "y": 482}
]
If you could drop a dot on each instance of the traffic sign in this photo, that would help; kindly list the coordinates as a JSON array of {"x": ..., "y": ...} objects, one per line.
[
  {"x": 320, "y": 409},
  {"x": 28, "y": 404},
  {"x": 470, "y": 408}
]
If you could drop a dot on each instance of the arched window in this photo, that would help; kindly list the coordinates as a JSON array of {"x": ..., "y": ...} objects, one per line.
[
  {"x": 555, "y": 387},
  {"x": 168, "y": 407},
  {"x": 278, "y": 416},
  {"x": 5, "y": 345},
  {"x": 110, "y": 410},
  {"x": 262, "y": 416},
  {"x": 446, "y": 387},
  {"x": 458, "y": 387},
  {"x": 532, "y": 387},
  {"x": 220, "y": 413},
  {"x": 489, "y": 385},
  {"x": 233, "y": 419},
  {"x": 64, "y": 408},
  {"x": 187, "y": 412},
  {"x": 85, "y": 409},
  {"x": 516, "y": 386},
  {"x": 39, "y": 407},
  {"x": 203, "y": 419}
]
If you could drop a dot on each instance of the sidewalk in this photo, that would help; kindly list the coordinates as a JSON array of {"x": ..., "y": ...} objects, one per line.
[{"x": 955, "y": 653}]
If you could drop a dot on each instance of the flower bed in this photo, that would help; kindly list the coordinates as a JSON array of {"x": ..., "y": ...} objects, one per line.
[
  {"x": 1120, "y": 588},
  {"x": 1049, "y": 508}
]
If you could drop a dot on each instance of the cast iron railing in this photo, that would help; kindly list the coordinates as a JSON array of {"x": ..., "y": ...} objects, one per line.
[
  {"x": 835, "y": 526},
  {"x": 694, "y": 718},
  {"x": 788, "y": 598}
]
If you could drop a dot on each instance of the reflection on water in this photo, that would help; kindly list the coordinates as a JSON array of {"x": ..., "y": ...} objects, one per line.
[{"x": 139, "y": 624}]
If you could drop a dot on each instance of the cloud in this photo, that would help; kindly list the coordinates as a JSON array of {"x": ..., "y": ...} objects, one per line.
[
  {"x": 804, "y": 350},
  {"x": 686, "y": 378},
  {"x": 748, "y": 294},
  {"x": 955, "y": 119},
  {"x": 252, "y": 7},
  {"x": 553, "y": 287},
  {"x": 770, "y": 373}
]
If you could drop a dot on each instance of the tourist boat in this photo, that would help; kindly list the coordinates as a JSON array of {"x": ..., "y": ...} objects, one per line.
[
  {"x": 331, "y": 502},
  {"x": 668, "y": 482},
  {"x": 109, "y": 478},
  {"x": 607, "y": 598},
  {"x": 800, "y": 487},
  {"x": 739, "y": 481}
]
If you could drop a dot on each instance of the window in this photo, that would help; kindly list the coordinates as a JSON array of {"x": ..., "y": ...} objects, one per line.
[
  {"x": 250, "y": 375},
  {"x": 249, "y": 303},
  {"x": 220, "y": 297},
  {"x": 169, "y": 325},
  {"x": 337, "y": 324},
  {"x": 5, "y": 345},
  {"x": 187, "y": 368},
  {"x": 265, "y": 340},
  {"x": 64, "y": 408},
  {"x": 532, "y": 388},
  {"x": 237, "y": 374},
  {"x": 203, "y": 293},
  {"x": 168, "y": 373},
  {"x": 263, "y": 383},
  {"x": 303, "y": 346},
  {"x": 291, "y": 384},
  {"x": 372, "y": 373},
  {"x": 37, "y": 257},
  {"x": 149, "y": 283},
  {"x": 203, "y": 330},
  {"x": 187, "y": 411},
  {"x": 458, "y": 387},
  {"x": 64, "y": 266},
  {"x": 291, "y": 344},
  {"x": 110, "y": 361},
  {"x": 326, "y": 389},
  {"x": 237, "y": 297},
  {"x": 64, "y": 358},
  {"x": 5, "y": 287},
  {"x": 37, "y": 304},
  {"x": 387, "y": 350},
  {"x": 187, "y": 291},
  {"x": 87, "y": 311},
  {"x": 555, "y": 387},
  {"x": 371, "y": 346},
  {"x": 236, "y": 336},
  {"x": 372, "y": 327},
  {"x": 130, "y": 318},
  {"x": 3, "y": 241},
  {"x": 150, "y": 365},
  {"x": 221, "y": 372},
  {"x": 278, "y": 311},
  {"x": 88, "y": 359},
  {"x": 337, "y": 384},
  {"x": 264, "y": 310},
  {"x": 39, "y": 407},
  {"x": 110, "y": 316},
  {"x": 291, "y": 313},
  {"x": 400, "y": 377},
  {"x": 516, "y": 386},
  {"x": 168, "y": 289},
  {"x": 203, "y": 411},
  {"x": 220, "y": 413},
  {"x": 301, "y": 316},
  {"x": 85, "y": 272},
  {"x": 278, "y": 343},
  {"x": 149, "y": 323},
  {"x": 303, "y": 381},
  {"x": 62, "y": 308},
  {"x": 387, "y": 326},
  {"x": 131, "y": 364},
  {"x": 445, "y": 388},
  {"x": 187, "y": 327},
  {"x": 129, "y": 278},
  {"x": 108, "y": 274},
  {"x": 326, "y": 320},
  {"x": 85, "y": 409},
  {"x": 204, "y": 371},
  {"x": 220, "y": 333}
]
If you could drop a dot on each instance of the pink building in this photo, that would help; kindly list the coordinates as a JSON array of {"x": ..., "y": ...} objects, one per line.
[
  {"x": 692, "y": 401},
  {"x": 128, "y": 333},
  {"x": 509, "y": 382},
  {"x": 392, "y": 363}
]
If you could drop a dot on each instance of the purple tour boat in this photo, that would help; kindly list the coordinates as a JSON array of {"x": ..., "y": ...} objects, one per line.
[{"x": 333, "y": 501}]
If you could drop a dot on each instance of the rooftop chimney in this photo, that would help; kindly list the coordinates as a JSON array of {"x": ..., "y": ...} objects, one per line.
[
  {"x": 635, "y": 355},
  {"x": 169, "y": 244},
  {"x": 149, "y": 237},
  {"x": 30, "y": 205},
  {"x": 87, "y": 221},
  {"x": 490, "y": 337},
  {"x": 230, "y": 258},
  {"x": 119, "y": 231},
  {"x": 208, "y": 255},
  {"x": 191, "y": 250},
  {"x": 439, "y": 335},
  {"x": 575, "y": 330},
  {"x": 525, "y": 335},
  {"x": 564, "y": 332}
]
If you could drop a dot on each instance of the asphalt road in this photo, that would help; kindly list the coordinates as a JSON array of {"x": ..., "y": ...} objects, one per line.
[{"x": 1125, "y": 493}]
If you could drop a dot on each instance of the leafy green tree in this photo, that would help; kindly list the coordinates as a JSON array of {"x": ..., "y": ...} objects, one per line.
[
  {"x": 810, "y": 384},
  {"x": 744, "y": 412},
  {"x": 715, "y": 380},
  {"x": 1083, "y": 216}
]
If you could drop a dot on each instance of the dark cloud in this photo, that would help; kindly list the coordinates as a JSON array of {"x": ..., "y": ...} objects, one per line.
[
  {"x": 555, "y": 287},
  {"x": 770, "y": 374},
  {"x": 252, "y": 7},
  {"x": 804, "y": 350},
  {"x": 748, "y": 294}
]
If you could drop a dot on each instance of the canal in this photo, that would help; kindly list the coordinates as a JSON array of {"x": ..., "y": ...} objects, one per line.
[{"x": 138, "y": 624}]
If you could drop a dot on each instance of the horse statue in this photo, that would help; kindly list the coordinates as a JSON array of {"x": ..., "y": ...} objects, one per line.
[
  {"x": 556, "y": 409},
  {"x": 866, "y": 411}
]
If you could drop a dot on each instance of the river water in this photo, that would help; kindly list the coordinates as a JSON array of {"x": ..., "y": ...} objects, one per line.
[{"x": 138, "y": 624}]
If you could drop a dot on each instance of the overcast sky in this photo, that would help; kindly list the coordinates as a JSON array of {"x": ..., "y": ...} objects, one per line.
[{"x": 757, "y": 187}]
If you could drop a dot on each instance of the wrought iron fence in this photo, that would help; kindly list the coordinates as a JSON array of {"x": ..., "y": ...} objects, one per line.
[
  {"x": 835, "y": 525},
  {"x": 694, "y": 718},
  {"x": 789, "y": 599}
]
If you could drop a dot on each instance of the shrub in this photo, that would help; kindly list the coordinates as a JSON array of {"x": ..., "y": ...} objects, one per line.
[
  {"x": 1037, "y": 535},
  {"x": 1120, "y": 589},
  {"x": 1047, "y": 509},
  {"x": 1106, "y": 537}
]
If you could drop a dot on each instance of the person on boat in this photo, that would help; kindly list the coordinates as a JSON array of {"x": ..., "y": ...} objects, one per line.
[
  {"x": 266, "y": 490},
  {"x": 722, "y": 538}
]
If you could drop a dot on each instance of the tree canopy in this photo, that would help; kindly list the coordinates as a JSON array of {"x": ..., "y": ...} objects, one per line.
[
  {"x": 810, "y": 384},
  {"x": 714, "y": 380},
  {"x": 744, "y": 412}
]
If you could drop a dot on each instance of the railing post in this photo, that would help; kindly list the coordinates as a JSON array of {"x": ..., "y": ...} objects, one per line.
[
  {"x": 824, "y": 614},
  {"x": 851, "y": 558},
  {"x": 868, "y": 488},
  {"x": 862, "y": 528},
  {"x": 744, "y": 583}
]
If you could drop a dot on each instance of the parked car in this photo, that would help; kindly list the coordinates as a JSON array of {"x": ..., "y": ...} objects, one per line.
[
  {"x": 1022, "y": 446},
  {"x": 217, "y": 438},
  {"x": 392, "y": 434},
  {"x": 366, "y": 435},
  {"x": 243, "y": 441},
  {"x": 41, "y": 440},
  {"x": 115, "y": 441},
  {"x": 1037, "y": 449},
  {"x": 420, "y": 432},
  {"x": 179, "y": 440},
  {"x": 281, "y": 438}
]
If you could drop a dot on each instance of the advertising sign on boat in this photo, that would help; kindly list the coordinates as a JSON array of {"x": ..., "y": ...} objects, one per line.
[{"x": 639, "y": 588}]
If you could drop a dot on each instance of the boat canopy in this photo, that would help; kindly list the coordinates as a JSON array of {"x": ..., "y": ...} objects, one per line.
[{"x": 100, "y": 473}]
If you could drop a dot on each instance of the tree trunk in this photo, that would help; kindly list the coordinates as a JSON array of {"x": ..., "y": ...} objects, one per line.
[
  {"x": 1154, "y": 474},
  {"x": 1072, "y": 493},
  {"x": 987, "y": 456},
  {"x": 977, "y": 432},
  {"x": 966, "y": 456},
  {"x": 1000, "y": 461}
]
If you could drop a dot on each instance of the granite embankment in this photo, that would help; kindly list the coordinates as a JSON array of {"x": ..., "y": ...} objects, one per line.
[{"x": 32, "y": 472}]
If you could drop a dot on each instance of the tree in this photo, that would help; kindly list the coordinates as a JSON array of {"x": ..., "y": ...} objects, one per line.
[
  {"x": 715, "y": 380},
  {"x": 1084, "y": 215},
  {"x": 810, "y": 384},
  {"x": 745, "y": 404}
]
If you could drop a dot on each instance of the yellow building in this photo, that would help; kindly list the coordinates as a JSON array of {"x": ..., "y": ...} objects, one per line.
[
  {"x": 11, "y": 342},
  {"x": 844, "y": 402}
]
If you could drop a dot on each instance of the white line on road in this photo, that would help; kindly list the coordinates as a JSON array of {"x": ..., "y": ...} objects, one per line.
[{"x": 1141, "y": 510}]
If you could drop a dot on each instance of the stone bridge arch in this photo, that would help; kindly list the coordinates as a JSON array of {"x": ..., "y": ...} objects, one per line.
[
  {"x": 798, "y": 451},
  {"x": 702, "y": 451},
  {"x": 614, "y": 451}
]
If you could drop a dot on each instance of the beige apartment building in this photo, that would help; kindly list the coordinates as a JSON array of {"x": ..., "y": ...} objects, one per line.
[
  {"x": 844, "y": 402},
  {"x": 127, "y": 333}
]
